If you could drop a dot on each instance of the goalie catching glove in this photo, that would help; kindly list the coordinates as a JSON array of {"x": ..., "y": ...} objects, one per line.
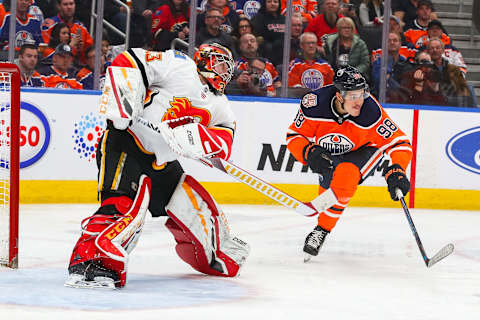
[{"x": 193, "y": 140}]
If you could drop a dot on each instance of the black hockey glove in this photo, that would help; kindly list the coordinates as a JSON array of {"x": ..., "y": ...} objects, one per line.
[
  {"x": 396, "y": 178},
  {"x": 319, "y": 159}
]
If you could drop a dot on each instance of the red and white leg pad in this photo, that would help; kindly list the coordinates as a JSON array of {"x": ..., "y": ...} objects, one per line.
[
  {"x": 107, "y": 240},
  {"x": 202, "y": 232}
]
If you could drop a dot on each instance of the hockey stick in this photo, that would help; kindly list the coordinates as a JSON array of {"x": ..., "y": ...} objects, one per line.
[
  {"x": 304, "y": 208},
  {"x": 443, "y": 253}
]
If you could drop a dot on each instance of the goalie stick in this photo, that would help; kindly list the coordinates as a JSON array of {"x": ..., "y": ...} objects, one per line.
[
  {"x": 304, "y": 208},
  {"x": 443, "y": 253}
]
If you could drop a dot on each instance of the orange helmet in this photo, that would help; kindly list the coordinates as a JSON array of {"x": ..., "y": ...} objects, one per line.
[{"x": 215, "y": 63}]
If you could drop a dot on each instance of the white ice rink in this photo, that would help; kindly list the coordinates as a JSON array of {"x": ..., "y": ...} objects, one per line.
[{"x": 369, "y": 268}]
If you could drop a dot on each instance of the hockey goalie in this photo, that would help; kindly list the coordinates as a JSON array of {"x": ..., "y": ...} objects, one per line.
[{"x": 138, "y": 170}]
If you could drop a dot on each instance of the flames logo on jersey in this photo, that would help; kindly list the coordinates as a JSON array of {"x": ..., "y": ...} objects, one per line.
[
  {"x": 336, "y": 143},
  {"x": 182, "y": 107}
]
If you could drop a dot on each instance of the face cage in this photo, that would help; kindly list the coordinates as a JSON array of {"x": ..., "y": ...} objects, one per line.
[{"x": 216, "y": 59}]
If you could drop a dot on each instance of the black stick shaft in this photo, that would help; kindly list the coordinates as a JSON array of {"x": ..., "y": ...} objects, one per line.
[{"x": 414, "y": 231}]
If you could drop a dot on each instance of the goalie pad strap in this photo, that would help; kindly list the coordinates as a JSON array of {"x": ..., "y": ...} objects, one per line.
[
  {"x": 122, "y": 204},
  {"x": 119, "y": 238}
]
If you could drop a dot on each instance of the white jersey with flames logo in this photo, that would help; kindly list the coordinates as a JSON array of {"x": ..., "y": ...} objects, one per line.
[{"x": 174, "y": 90}]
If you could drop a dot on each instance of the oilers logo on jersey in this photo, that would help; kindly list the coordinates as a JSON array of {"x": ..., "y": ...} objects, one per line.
[
  {"x": 336, "y": 143},
  {"x": 312, "y": 79},
  {"x": 23, "y": 37},
  {"x": 251, "y": 8}
]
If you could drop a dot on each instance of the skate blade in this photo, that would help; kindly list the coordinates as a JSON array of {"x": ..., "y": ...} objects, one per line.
[
  {"x": 79, "y": 282},
  {"x": 307, "y": 257}
]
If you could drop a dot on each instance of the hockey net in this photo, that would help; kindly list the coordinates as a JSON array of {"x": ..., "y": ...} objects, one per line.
[{"x": 9, "y": 163}]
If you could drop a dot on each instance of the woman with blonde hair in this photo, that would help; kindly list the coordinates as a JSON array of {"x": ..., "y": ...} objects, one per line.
[{"x": 346, "y": 48}]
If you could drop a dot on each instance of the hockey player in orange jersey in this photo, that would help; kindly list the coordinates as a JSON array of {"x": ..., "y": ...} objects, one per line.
[{"x": 342, "y": 133}]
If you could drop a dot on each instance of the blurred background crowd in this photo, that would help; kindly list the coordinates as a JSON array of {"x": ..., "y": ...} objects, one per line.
[{"x": 54, "y": 44}]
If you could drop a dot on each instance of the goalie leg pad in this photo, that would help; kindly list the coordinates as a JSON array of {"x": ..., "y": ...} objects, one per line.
[
  {"x": 107, "y": 239},
  {"x": 119, "y": 238},
  {"x": 202, "y": 233}
]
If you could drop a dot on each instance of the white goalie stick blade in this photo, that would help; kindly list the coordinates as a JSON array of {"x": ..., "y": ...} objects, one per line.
[
  {"x": 303, "y": 208},
  {"x": 78, "y": 281},
  {"x": 443, "y": 253}
]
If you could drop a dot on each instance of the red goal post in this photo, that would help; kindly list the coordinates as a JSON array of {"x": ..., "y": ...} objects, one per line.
[{"x": 9, "y": 163}]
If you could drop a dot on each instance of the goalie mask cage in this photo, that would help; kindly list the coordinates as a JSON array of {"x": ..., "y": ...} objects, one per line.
[{"x": 9, "y": 163}]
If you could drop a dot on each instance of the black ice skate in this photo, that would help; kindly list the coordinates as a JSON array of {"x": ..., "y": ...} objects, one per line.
[
  {"x": 91, "y": 274},
  {"x": 314, "y": 242}
]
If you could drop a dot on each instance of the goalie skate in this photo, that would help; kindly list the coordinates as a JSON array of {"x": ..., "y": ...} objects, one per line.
[
  {"x": 78, "y": 281},
  {"x": 91, "y": 275}
]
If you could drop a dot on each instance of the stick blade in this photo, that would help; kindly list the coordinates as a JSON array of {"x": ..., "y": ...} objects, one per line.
[{"x": 443, "y": 253}]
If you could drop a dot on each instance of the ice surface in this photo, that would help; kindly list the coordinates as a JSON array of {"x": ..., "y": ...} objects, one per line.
[{"x": 369, "y": 268}]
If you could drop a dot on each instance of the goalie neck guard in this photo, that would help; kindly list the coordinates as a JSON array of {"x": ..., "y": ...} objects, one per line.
[{"x": 215, "y": 63}]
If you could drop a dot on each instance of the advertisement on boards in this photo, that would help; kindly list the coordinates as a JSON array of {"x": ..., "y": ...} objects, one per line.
[
  {"x": 58, "y": 136},
  {"x": 449, "y": 150}
]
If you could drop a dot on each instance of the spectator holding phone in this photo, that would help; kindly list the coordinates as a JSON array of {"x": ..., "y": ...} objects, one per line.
[{"x": 80, "y": 36}]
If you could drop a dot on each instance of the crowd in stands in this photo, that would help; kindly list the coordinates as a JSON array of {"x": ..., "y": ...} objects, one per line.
[{"x": 55, "y": 48}]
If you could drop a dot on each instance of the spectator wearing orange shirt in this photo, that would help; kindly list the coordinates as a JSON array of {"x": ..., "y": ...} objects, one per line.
[
  {"x": 60, "y": 34},
  {"x": 61, "y": 74},
  {"x": 248, "y": 50},
  {"x": 66, "y": 13},
  {"x": 309, "y": 71},
  {"x": 307, "y": 8}
]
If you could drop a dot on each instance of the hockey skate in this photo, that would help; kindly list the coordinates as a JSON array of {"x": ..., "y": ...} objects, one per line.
[
  {"x": 314, "y": 242},
  {"x": 91, "y": 274}
]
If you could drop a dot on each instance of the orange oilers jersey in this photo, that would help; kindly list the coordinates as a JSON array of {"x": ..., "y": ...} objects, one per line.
[
  {"x": 318, "y": 122},
  {"x": 76, "y": 27},
  {"x": 307, "y": 8},
  {"x": 404, "y": 51},
  {"x": 269, "y": 77},
  {"x": 54, "y": 78},
  {"x": 419, "y": 38},
  {"x": 309, "y": 74}
]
